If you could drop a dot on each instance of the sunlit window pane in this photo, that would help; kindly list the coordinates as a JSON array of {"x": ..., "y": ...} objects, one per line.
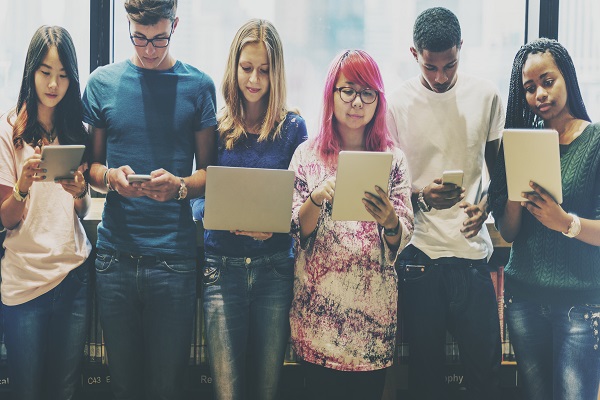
[
  {"x": 313, "y": 31},
  {"x": 579, "y": 32},
  {"x": 18, "y": 22}
]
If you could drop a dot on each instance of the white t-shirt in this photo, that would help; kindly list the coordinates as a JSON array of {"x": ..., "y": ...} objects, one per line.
[
  {"x": 48, "y": 243},
  {"x": 445, "y": 131}
]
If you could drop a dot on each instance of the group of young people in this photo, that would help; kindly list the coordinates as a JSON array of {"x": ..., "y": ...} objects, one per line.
[{"x": 334, "y": 286}]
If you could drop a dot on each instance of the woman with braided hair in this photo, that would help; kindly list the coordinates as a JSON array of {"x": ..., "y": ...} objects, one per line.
[{"x": 553, "y": 274}]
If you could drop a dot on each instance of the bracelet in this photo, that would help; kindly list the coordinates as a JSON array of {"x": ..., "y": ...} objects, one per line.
[
  {"x": 574, "y": 227},
  {"x": 107, "y": 182},
  {"x": 18, "y": 195},
  {"x": 85, "y": 191},
  {"x": 314, "y": 202},
  {"x": 423, "y": 206}
]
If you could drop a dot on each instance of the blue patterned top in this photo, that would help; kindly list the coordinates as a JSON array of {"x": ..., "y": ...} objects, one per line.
[{"x": 250, "y": 153}]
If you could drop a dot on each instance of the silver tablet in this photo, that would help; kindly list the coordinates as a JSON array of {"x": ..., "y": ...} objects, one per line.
[
  {"x": 248, "y": 199},
  {"x": 61, "y": 161},
  {"x": 532, "y": 155},
  {"x": 358, "y": 172}
]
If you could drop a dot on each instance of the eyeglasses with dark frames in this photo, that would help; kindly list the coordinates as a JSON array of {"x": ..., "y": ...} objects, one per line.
[
  {"x": 142, "y": 41},
  {"x": 348, "y": 94}
]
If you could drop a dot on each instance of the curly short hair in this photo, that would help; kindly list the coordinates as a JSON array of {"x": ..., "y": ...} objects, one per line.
[{"x": 436, "y": 29}]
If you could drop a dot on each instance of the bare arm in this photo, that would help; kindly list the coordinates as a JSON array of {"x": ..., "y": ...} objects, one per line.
[
  {"x": 11, "y": 211},
  {"x": 477, "y": 213},
  {"x": 311, "y": 209},
  {"x": 205, "y": 156}
]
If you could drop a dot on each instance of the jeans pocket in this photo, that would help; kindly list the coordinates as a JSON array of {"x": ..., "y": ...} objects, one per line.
[
  {"x": 180, "y": 266},
  {"x": 284, "y": 269},
  {"x": 482, "y": 273},
  {"x": 412, "y": 272},
  {"x": 211, "y": 272},
  {"x": 103, "y": 261},
  {"x": 81, "y": 273}
]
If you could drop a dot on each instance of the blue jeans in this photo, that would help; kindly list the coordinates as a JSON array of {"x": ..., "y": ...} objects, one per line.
[
  {"x": 146, "y": 306},
  {"x": 451, "y": 294},
  {"x": 246, "y": 314},
  {"x": 45, "y": 339},
  {"x": 557, "y": 349}
]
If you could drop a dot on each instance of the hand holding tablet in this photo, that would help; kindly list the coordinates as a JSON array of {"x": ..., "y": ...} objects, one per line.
[
  {"x": 532, "y": 155},
  {"x": 61, "y": 162}
]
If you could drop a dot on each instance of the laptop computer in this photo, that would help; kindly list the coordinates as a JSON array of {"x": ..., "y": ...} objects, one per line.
[
  {"x": 248, "y": 199},
  {"x": 532, "y": 155},
  {"x": 358, "y": 172}
]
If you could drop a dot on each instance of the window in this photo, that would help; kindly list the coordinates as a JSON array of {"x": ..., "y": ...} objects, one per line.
[
  {"x": 18, "y": 22},
  {"x": 314, "y": 31},
  {"x": 579, "y": 32}
]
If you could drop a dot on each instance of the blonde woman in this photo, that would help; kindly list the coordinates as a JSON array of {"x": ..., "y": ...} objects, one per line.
[{"x": 248, "y": 276}]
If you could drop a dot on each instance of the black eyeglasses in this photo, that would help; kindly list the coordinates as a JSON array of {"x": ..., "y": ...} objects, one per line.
[
  {"x": 141, "y": 41},
  {"x": 348, "y": 94}
]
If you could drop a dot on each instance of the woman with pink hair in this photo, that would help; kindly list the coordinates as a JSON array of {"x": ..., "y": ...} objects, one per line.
[{"x": 343, "y": 316}]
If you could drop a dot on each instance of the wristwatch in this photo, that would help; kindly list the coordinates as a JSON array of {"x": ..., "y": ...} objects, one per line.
[
  {"x": 18, "y": 195},
  {"x": 182, "y": 190},
  {"x": 574, "y": 227},
  {"x": 391, "y": 232},
  {"x": 423, "y": 206}
]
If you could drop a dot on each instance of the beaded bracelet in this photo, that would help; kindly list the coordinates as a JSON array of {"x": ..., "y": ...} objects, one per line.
[{"x": 86, "y": 189}]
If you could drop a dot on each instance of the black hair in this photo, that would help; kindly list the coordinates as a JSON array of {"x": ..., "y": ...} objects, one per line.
[
  {"x": 69, "y": 111},
  {"x": 436, "y": 29},
  {"x": 518, "y": 112},
  {"x": 149, "y": 12}
]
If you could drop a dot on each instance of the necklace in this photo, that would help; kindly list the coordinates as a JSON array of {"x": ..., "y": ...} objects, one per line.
[{"x": 50, "y": 135}]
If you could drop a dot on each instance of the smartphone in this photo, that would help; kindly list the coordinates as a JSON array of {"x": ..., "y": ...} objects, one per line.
[
  {"x": 453, "y": 176},
  {"x": 138, "y": 178}
]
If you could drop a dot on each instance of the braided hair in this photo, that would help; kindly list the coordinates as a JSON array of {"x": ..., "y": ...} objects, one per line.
[
  {"x": 518, "y": 112},
  {"x": 520, "y": 115}
]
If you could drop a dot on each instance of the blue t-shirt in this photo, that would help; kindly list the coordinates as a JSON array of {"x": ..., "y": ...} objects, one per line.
[
  {"x": 150, "y": 118},
  {"x": 250, "y": 153}
]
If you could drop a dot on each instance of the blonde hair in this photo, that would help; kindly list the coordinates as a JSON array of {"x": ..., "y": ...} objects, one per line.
[{"x": 231, "y": 117}]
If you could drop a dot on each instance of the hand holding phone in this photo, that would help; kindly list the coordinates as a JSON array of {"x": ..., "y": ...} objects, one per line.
[
  {"x": 454, "y": 177},
  {"x": 138, "y": 178}
]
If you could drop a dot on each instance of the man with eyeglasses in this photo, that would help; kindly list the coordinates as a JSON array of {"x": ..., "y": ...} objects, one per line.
[
  {"x": 149, "y": 115},
  {"x": 443, "y": 120}
]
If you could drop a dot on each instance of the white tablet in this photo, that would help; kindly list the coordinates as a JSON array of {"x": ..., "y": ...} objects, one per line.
[
  {"x": 248, "y": 199},
  {"x": 532, "y": 155},
  {"x": 61, "y": 161},
  {"x": 358, "y": 172}
]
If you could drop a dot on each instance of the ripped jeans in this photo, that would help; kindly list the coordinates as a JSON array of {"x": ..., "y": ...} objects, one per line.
[{"x": 557, "y": 349}]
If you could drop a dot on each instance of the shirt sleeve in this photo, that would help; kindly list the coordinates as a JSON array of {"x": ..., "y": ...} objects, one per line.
[
  {"x": 497, "y": 118},
  {"x": 206, "y": 107},
  {"x": 92, "y": 111}
]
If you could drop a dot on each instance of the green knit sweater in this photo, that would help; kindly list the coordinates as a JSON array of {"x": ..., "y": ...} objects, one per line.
[{"x": 544, "y": 265}]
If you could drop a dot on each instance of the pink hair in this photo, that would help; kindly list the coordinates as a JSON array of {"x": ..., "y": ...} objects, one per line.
[{"x": 359, "y": 67}]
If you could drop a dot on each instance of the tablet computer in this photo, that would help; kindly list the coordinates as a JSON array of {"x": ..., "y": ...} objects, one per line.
[
  {"x": 60, "y": 161},
  {"x": 358, "y": 172},
  {"x": 532, "y": 155},
  {"x": 248, "y": 199}
]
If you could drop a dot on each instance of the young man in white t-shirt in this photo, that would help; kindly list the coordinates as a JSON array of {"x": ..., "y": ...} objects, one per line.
[{"x": 446, "y": 121}]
